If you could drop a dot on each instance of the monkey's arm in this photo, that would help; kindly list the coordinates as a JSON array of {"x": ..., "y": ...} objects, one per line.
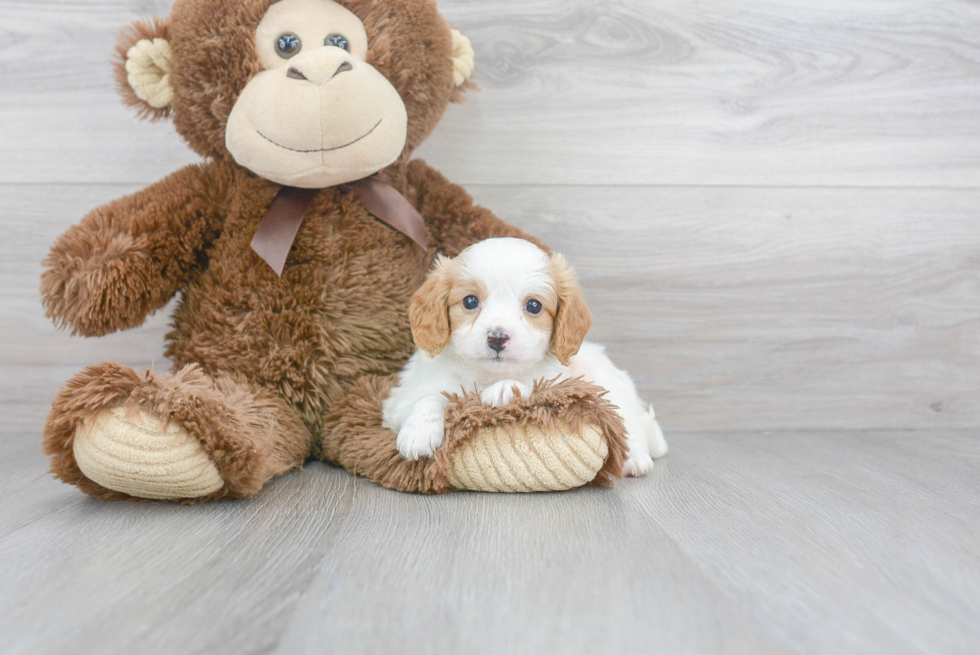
[
  {"x": 452, "y": 220},
  {"x": 126, "y": 259}
]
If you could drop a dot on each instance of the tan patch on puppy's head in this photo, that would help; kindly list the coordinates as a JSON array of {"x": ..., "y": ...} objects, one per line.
[
  {"x": 572, "y": 318},
  {"x": 544, "y": 321},
  {"x": 428, "y": 312},
  {"x": 460, "y": 288}
]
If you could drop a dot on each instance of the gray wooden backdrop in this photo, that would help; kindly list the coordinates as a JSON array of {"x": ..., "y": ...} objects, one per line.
[{"x": 773, "y": 207}]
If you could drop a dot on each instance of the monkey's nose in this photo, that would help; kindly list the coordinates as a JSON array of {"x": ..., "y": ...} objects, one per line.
[
  {"x": 296, "y": 74},
  {"x": 497, "y": 339}
]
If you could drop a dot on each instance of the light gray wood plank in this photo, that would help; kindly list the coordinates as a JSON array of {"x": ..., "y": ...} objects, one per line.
[
  {"x": 118, "y": 576},
  {"x": 59, "y": 111},
  {"x": 584, "y": 92},
  {"x": 726, "y": 92},
  {"x": 759, "y": 308},
  {"x": 745, "y": 542},
  {"x": 787, "y": 519},
  {"x": 583, "y": 572},
  {"x": 735, "y": 309},
  {"x": 766, "y": 532}
]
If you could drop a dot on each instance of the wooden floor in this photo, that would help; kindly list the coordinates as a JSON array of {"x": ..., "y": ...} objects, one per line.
[
  {"x": 774, "y": 207},
  {"x": 829, "y": 542}
]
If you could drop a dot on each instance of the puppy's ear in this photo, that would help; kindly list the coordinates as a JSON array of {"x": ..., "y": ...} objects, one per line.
[
  {"x": 429, "y": 311},
  {"x": 573, "y": 318}
]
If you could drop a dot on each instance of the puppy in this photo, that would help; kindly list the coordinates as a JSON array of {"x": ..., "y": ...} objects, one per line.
[{"x": 498, "y": 317}]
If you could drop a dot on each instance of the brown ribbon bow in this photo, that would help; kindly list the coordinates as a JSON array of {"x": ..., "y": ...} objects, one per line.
[{"x": 277, "y": 231}]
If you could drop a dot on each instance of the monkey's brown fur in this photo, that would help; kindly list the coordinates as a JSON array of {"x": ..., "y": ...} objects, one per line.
[{"x": 270, "y": 370}]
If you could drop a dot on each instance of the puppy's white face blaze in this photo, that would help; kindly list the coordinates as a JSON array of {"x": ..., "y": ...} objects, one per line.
[{"x": 500, "y": 327}]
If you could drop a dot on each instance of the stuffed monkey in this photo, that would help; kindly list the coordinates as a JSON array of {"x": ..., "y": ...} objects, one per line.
[{"x": 295, "y": 247}]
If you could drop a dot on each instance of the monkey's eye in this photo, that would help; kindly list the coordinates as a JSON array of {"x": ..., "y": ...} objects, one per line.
[
  {"x": 288, "y": 45},
  {"x": 533, "y": 307},
  {"x": 471, "y": 302},
  {"x": 338, "y": 40}
]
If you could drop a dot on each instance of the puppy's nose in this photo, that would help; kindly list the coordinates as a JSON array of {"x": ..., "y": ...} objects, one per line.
[{"x": 497, "y": 339}]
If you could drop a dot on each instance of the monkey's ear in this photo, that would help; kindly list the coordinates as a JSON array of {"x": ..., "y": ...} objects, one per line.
[
  {"x": 143, "y": 63},
  {"x": 464, "y": 59},
  {"x": 429, "y": 310},
  {"x": 573, "y": 318}
]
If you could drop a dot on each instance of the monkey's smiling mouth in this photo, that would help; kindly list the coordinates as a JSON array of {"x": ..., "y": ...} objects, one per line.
[{"x": 363, "y": 136}]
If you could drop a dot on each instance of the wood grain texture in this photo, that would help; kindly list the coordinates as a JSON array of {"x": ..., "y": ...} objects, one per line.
[
  {"x": 723, "y": 92},
  {"x": 735, "y": 309},
  {"x": 736, "y": 543},
  {"x": 767, "y": 308},
  {"x": 584, "y": 92}
]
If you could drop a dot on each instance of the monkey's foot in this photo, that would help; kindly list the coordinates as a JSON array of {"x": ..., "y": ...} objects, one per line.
[
  {"x": 560, "y": 436},
  {"x": 128, "y": 450},
  {"x": 117, "y": 434},
  {"x": 528, "y": 458}
]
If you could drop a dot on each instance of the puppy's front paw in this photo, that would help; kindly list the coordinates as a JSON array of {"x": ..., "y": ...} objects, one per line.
[
  {"x": 418, "y": 439},
  {"x": 501, "y": 393},
  {"x": 637, "y": 465}
]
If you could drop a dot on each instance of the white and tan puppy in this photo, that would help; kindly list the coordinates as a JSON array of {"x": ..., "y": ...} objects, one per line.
[{"x": 498, "y": 317}]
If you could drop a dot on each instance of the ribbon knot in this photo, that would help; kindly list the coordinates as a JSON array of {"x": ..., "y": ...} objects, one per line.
[{"x": 276, "y": 233}]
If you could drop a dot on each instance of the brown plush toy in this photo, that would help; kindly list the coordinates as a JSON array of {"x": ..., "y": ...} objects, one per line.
[{"x": 288, "y": 354}]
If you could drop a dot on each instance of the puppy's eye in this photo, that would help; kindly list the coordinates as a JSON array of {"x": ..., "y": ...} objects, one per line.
[
  {"x": 338, "y": 40},
  {"x": 533, "y": 307},
  {"x": 471, "y": 302},
  {"x": 288, "y": 45}
]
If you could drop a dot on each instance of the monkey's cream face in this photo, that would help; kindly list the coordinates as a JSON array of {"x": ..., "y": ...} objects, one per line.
[{"x": 318, "y": 115}]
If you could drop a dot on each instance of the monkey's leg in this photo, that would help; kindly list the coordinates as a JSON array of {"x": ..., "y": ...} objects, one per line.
[
  {"x": 116, "y": 434},
  {"x": 564, "y": 435}
]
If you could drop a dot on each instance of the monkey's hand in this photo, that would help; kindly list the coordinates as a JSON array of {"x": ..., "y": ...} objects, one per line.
[{"x": 126, "y": 259}]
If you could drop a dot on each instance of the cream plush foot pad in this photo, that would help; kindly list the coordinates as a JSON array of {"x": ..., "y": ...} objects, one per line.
[
  {"x": 528, "y": 460},
  {"x": 130, "y": 451}
]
